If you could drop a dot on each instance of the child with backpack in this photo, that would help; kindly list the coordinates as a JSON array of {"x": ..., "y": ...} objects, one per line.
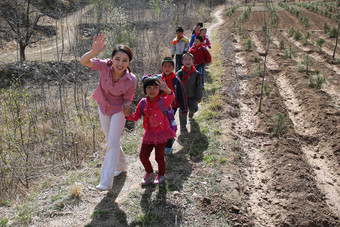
[
  {"x": 192, "y": 84},
  {"x": 156, "y": 125},
  {"x": 179, "y": 46},
  {"x": 201, "y": 56},
  {"x": 175, "y": 84},
  {"x": 206, "y": 40}
]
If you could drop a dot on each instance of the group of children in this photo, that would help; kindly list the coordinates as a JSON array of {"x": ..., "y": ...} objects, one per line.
[{"x": 170, "y": 91}]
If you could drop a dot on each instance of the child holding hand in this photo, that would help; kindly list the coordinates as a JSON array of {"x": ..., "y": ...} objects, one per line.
[{"x": 156, "y": 126}]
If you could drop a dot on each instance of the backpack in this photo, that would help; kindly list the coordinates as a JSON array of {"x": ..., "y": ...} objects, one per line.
[{"x": 169, "y": 112}]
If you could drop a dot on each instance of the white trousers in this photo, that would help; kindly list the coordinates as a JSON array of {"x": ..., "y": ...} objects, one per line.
[{"x": 114, "y": 160}]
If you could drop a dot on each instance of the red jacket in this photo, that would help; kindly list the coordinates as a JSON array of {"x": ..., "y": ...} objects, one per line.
[{"x": 201, "y": 54}]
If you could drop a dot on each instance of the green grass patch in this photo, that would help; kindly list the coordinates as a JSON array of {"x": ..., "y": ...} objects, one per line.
[{"x": 100, "y": 214}]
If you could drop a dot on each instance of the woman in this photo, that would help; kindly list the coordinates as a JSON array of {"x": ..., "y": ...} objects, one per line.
[{"x": 113, "y": 94}]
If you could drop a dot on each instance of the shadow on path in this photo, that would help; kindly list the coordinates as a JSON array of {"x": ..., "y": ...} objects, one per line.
[{"x": 107, "y": 212}]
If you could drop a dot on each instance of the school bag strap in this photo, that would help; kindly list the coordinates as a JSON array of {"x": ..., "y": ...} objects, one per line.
[
  {"x": 160, "y": 103},
  {"x": 168, "y": 112},
  {"x": 162, "y": 106}
]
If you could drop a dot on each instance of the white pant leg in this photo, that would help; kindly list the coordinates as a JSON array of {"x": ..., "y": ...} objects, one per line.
[{"x": 113, "y": 127}]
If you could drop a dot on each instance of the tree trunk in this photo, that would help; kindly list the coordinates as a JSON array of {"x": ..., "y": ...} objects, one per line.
[
  {"x": 22, "y": 51},
  {"x": 337, "y": 38}
]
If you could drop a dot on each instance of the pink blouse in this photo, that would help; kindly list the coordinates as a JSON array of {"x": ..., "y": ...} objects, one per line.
[
  {"x": 111, "y": 96},
  {"x": 158, "y": 128}
]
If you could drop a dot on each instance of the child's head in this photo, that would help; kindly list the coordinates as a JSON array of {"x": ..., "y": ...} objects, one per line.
[
  {"x": 199, "y": 23},
  {"x": 198, "y": 40},
  {"x": 179, "y": 31},
  {"x": 197, "y": 29},
  {"x": 187, "y": 59},
  {"x": 168, "y": 65},
  {"x": 150, "y": 86},
  {"x": 203, "y": 31}
]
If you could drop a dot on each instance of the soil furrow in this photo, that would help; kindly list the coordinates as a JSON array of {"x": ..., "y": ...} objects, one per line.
[{"x": 296, "y": 110}]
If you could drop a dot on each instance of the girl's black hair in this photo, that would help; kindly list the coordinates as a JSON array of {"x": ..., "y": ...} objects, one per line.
[{"x": 150, "y": 81}]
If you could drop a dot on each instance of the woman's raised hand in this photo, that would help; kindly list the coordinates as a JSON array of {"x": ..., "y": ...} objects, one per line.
[{"x": 98, "y": 43}]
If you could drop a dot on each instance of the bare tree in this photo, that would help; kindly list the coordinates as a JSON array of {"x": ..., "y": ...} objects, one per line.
[
  {"x": 21, "y": 23},
  {"x": 337, "y": 37}
]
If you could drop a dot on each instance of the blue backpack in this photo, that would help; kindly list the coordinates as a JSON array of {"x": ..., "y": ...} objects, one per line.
[{"x": 169, "y": 112}]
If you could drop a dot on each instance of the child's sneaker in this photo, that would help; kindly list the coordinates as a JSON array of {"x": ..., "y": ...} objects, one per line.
[
  {"x": 159, "y": 179},
  {"x": 168, "y": 150},
  {"x": 148, "y": 178}
]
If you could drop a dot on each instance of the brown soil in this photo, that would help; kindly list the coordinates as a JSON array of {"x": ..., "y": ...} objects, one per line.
[{"x": 293, "y": 177}]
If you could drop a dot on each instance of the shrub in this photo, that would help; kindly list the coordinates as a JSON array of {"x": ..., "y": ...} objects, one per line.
[
  {"x": 247, "y": 44},
  {"x": 316, "y": 81},
  {"x": 267, "y": 89},
  {"x": 3, "y": 222},
  {"x": 320, "y": 42},
  {"x": 258, "y": 72},
  {"x": 239, "y": 29},
  {"x": 290, "y": 52},
  {"x": 333, "y": 32},
  {"x": 305, "y": 64},
  {"x": 279, "y": 124},
  {"x": 325, "y": 28},
  {"x": 255, "y": 59},
  {"x": 282, "y": 45},
  {"x": 297, "y": 35},
  {"x": 291, "y": 32},
  {"x": 337, "y": 61}
]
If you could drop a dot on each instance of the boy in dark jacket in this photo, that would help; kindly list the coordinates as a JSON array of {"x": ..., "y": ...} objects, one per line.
[
  {"x": 201, "y": 56},
  {"x": 175, "y": 84},
  {"x": 192, "y": 84}
]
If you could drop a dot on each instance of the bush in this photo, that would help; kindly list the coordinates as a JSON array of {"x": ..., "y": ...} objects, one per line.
[
  {"x": 239, "y": 29},
  {"x": 305, "y": 64},
  {"x": 297, "y": 35},
  {"x": 320, "y": 42},
  {"x": 325, "y": 28},
  {"x": 291, "y": 32},
  {"x": 333, "y": 32},
  {"x": 267, "y": 89},
  {"x": 255, "y": 59},
  {"x": 282, "y": 45},
  {"x": 279, "y": 123},
  {"x": 247, "y": 44},
  {"x": 258, "y": 72},
  {"x": 290, "y": 52},
  {"x": 316, "y": 81}
]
